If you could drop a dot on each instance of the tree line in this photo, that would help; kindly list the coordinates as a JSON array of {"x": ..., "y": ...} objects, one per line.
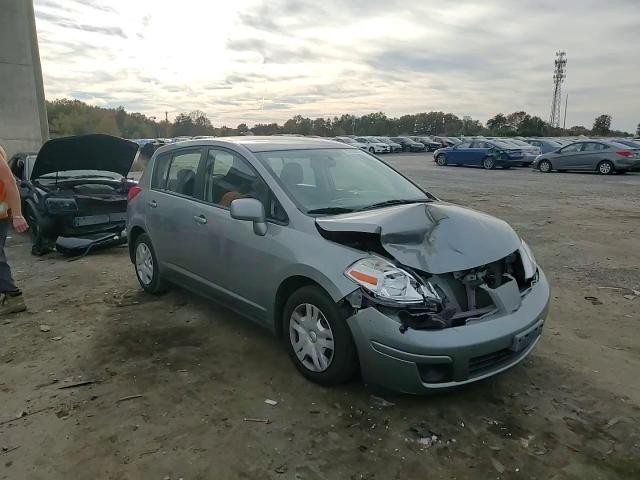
[{"x": 73, "y": 117}]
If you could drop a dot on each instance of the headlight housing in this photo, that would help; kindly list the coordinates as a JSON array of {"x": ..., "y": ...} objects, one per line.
[
  {"x": 528, "y": 260},
  {"x": 388, "y": 282},
  {"x": 61, "y": 205}
]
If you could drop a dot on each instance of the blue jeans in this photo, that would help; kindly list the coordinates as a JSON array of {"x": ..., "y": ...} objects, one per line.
[{"x": 7, "y": 285}]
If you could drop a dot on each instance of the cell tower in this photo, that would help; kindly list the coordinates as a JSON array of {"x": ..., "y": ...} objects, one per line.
[{"x": 559, "y": 73}]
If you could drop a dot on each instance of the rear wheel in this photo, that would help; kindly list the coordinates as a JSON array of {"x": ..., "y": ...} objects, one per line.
[
  {"x": 318, "y": 338},
  {"x": 488, "y": 163},
  {"x": 372, "y": 150},
  {"x": 544, "y": 166},
  {"x": 146, "y": 264},
  {"x": 441, "y": 160},
  {"x": 605, "y": 167}
]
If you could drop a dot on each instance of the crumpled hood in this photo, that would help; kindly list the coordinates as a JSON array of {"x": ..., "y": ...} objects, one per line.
[
  {"x": 435, "y": 237},
  {"x": 85, "y": 152}
]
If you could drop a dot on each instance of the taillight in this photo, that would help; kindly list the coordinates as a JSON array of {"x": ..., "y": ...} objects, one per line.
[
  {"x": 133, "y": 192},
  {"x": 625, "y": 153}
]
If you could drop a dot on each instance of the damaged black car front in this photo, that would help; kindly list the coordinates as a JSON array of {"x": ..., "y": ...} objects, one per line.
[{"x": 74, "y": 193}]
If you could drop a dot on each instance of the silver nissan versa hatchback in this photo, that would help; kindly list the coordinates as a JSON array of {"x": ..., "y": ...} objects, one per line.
[{"x": 351, "y": 264}]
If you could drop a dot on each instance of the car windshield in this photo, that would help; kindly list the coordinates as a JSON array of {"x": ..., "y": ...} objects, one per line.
[
  {"x": 331, "y": 181},
  {"x": 503, "y": 144},
  {"x": 73, "y": 174}
]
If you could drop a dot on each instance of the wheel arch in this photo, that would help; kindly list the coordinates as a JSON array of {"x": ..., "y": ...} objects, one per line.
[{"x": 135, "y": 232}]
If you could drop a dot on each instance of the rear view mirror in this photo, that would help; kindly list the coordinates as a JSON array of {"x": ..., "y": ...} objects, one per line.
[{"x": 250, "y": 210}]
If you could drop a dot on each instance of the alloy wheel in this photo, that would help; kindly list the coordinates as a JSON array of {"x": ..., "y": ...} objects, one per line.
[
  {"x": 488, "y": 163},
  {"x": 311, "y": 337},
  {"x": 545, "y": 166},
  {"x": 605, "y": 168},
  {"x": 144, "y": 263}
]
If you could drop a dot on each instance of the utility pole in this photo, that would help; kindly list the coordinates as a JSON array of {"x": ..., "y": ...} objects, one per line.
[
  {"x": 559, "y": 74},
  {"x": 566, "y": 101}
]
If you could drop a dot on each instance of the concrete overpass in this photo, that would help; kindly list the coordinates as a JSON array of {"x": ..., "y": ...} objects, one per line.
[{"x": 23, "y": 115}]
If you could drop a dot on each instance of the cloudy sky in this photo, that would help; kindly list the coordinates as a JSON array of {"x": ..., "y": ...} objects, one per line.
[{"x": 261, "y": 61}]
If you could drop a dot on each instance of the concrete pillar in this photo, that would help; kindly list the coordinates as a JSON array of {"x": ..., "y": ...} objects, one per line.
[{"x": 23, "y": 115}]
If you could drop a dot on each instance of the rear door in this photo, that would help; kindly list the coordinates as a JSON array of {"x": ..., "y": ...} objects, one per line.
[
  {"x": 478, "y": 152},
  {"x": 170, "y": 207},
  {"x": 590, "y": 155}
]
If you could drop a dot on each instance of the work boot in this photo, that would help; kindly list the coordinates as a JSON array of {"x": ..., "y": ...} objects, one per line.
[{"x": 11, "y": 304}]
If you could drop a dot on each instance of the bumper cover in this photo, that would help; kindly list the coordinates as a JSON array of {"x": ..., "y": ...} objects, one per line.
[{"x": 405, "y": 362}]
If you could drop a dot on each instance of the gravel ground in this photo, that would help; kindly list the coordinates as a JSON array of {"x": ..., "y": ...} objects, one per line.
[{"x": 176, "y": 377}]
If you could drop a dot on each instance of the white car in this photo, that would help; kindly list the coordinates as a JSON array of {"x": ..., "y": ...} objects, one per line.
[
  {"x": 350, "y": 141},
  {"x": 373, "y": 146}
]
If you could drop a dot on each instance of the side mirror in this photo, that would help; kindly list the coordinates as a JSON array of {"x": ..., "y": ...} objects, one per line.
[{"x": 251, "y": 210}]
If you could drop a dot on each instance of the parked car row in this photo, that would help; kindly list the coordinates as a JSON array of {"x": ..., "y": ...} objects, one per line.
[
  {"x": 604, "y": 155},
  {"x": 379, "y": 144}
]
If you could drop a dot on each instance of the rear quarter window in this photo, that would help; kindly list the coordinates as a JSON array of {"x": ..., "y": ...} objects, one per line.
[{"x": 160, "y": 168}]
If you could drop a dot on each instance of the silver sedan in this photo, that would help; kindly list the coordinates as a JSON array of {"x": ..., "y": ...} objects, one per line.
[{"x": 600, "y": 156}]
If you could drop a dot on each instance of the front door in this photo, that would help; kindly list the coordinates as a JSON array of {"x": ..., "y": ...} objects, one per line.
[
  {"x": 460, "y": 154},
  {"x": 231, "y": 259},
  {"x": 568, "y": 157}
]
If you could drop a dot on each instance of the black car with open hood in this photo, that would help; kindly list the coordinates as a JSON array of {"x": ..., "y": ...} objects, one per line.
[{"x": 74, "y": 192}]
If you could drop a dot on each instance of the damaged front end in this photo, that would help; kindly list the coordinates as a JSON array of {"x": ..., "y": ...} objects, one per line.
[{"x": 424, "y": 301}]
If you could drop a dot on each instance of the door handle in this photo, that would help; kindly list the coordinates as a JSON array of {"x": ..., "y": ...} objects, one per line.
[
  {"x": 200, "y": 219},
  {"x": 152, "y": 204}
]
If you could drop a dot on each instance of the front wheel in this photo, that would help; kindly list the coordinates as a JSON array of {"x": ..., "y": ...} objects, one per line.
[
  {"x": 441, "y": 160},
  {"x": 605, "y": 167},
  {"x": 372, "y": 150},
  {"x": 318, "y": 338},
  {"x": 544, "y": 166},
  {"x": 146, "y": 264},
  {"x": 488, "y": 163}
]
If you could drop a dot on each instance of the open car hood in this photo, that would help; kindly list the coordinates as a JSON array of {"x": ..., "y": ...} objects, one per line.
[
  {"x": 433, "y": 237},
  {"x": 85, "y": 152}
]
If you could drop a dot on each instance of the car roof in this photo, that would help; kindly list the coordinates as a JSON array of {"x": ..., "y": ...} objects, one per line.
[{"x": 264, "y": 144}]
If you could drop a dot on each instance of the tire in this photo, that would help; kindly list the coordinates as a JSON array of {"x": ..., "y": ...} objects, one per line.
[
  {"x": 325, "y": 328},
  {"x": 441, "y": 160},
  {"x": 372, "y": 150},
  {"x": 544, "y": 166},
  {"x": 488, "y": 163},
  {"x": 38, "y": 247},
  {"x": 605, "y": 167},
  {"x": 148, "y": 273}
]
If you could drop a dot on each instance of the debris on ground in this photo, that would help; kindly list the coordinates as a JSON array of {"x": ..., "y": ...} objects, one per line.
[
  {"x": 273, "y": 403},
  {"x": 257, "y": 420},
  {"x": 45, "y": 328},
  {"x": 500, "y": 468},
  {"x": 55, "y": 339},
  {"x": 129, "y": 397},
  {"x": 281, "y": 468},
  {"x": 629, "y": 297},
  {"x": 381, "y": 402},
  {"x": 78, "y": 384},
  {"x": 593, "y": 300},
  {"x": 425, "y": 436}
]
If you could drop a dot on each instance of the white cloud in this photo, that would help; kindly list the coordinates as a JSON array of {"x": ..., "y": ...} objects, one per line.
[{"x": 247, "y": 61}]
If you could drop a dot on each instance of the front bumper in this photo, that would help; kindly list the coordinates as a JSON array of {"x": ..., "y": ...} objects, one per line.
[{"x": 421, "y": 361}]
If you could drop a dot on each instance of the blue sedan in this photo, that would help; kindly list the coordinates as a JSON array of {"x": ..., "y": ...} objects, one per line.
[{"x": 482, "y": 153}]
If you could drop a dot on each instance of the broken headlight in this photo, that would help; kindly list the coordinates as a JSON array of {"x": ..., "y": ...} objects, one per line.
[
  {"x": 388, "y": 282},
  {"x": 528, "y": 260},
  {"x": 61, "y": 205}
]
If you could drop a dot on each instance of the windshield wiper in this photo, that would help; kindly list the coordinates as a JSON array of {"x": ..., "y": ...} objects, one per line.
[
  {"x": 330, "y": 210},
  {"x": 395, "y": 201}
]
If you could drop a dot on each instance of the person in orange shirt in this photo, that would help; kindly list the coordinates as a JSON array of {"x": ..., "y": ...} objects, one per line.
[{"x": 11, "y": 300}]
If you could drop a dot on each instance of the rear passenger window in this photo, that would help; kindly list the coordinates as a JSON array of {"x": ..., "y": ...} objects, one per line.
[
  {"x": 160, "y": 167},
  {"x": 182, "y": 173}
]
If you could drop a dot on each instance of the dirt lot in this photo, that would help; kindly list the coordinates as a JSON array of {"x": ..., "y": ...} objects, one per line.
[{"x": 571, "y": 410}]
